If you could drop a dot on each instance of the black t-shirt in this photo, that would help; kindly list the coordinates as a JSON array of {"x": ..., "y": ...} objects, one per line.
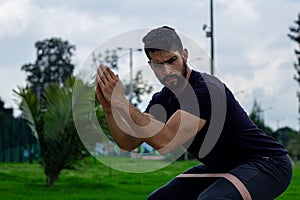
[{"x": 240, "y": 139}]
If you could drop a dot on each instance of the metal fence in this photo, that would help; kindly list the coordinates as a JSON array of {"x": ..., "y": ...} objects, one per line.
[{"x": 17, "y": 144}]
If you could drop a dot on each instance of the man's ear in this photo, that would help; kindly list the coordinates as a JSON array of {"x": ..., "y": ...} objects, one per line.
[{"x": 185, "y": 54}]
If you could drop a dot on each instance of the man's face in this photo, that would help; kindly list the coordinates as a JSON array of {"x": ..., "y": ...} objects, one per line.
[{"x": 169, "y": 67}]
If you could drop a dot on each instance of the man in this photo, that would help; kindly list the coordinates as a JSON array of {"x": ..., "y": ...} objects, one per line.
[{"x": 183, "y": 114}]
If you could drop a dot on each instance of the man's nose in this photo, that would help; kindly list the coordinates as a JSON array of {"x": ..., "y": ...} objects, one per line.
[{"x": 167, "y": 69}]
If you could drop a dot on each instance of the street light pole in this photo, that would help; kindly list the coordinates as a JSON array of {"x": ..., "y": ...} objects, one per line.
[
  {"x": 211, "y": 38},
  {"x": 210, "y": 34},
  {"x": 130, "y": 67},
  {"x": 130, "y": 49}
]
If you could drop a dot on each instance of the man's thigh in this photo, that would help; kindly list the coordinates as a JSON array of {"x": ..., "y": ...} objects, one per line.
[
  {"x": 184, "y": 188},
  {"x": 265, "y": 178}
]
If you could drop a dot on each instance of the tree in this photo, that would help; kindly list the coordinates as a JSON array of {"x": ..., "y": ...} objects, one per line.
[
  {"x": 291, "y": 140},
  {"x": 52, "y": 64},
  {"x": 295, "y": 36},
  {"x": 54, "y": 127},
  {"x": 5, "y": 112},
  {"x": 257, "y": 117},
  {"x": 135, "y": 90}
]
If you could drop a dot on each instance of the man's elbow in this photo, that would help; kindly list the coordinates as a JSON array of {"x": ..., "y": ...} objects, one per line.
[
  {"x": 165, "y": 150},
  {"x": 127, "y": 147}
]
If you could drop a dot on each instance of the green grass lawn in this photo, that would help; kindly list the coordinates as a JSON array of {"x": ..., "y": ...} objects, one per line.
[{"x": 93, "y": 180}]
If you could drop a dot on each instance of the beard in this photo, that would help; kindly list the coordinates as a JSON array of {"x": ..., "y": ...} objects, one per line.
[{"x": 174, "y": 81}]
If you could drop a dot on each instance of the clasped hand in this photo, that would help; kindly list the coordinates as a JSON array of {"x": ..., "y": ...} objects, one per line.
[{"x": 109, "y": 89}]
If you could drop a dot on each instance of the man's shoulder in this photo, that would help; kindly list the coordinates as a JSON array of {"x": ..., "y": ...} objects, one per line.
[
  {"x": 197, "y": 80},
  {"x": 197, "y": 77},
  {"x": 200, "y": 79},
  {"x": 201, "y": 76},
  {"x": 160, "y": 97}
]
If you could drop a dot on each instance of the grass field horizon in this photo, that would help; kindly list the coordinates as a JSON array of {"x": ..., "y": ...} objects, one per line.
[{"x": 93, "y": 180}]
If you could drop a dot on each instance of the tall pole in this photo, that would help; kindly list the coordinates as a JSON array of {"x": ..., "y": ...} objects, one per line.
[
  {"x": 212, "y": 38},
  {"x": 130, "y": 72},
  {"x": 130, "y": 65},
  {"x": 131, "y": 50}
]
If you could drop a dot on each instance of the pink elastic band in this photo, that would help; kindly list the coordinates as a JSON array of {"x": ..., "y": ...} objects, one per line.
[{"x": 234, "y": 180}]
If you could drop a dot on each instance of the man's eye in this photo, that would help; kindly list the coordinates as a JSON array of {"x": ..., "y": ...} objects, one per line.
[{"x": 171, "y": 60}]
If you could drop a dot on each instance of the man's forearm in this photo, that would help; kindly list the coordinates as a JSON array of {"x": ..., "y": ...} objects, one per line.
[
  {"x": 151, "y": 131},
  {"x": 181, "y": 127},
  {"x": 119, "y": 132},
  {"x": 141, "y": 124}
]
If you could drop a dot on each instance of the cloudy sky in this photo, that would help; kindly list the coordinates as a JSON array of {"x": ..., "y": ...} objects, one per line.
[{"x": 254, "y": 56}]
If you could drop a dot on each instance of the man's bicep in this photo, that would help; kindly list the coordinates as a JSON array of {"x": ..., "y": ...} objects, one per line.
[
  {"x": 184, "y": 122},
  {"x": 183, "y": 126}
]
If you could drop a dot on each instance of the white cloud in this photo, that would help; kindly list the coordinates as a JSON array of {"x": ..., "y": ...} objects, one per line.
[
  {"x": 270, "y": 83},
  {"x": 241, "y": 8},
  {"x": 14, "y": 16},
  {"x": 69, "y": 22}
]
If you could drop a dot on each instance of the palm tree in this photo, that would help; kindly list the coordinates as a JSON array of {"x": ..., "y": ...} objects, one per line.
[{"x": 54, "y": 127}]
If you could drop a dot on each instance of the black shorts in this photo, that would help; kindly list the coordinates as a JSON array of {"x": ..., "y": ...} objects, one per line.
[{"x": 264, "y": 177}]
